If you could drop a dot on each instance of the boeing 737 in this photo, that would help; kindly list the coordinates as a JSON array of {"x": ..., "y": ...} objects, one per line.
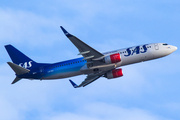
[{"x": 93, "y": 63}]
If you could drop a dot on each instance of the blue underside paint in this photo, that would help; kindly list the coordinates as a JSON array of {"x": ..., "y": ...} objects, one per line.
[{"x": 62, "y": 69}]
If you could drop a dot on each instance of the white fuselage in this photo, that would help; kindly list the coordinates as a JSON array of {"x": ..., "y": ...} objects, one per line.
[{"x": 129, "y": 56}]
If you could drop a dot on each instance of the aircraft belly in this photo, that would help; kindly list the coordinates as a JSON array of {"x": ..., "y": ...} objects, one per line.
[
  {"x": 63, "y": 75},
  {"x": 62, "y": 72}
]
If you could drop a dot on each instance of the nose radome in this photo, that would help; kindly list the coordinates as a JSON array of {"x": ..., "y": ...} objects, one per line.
[
  {"x": 171, "y": 49},
  {"x": 174, "y": 48}
]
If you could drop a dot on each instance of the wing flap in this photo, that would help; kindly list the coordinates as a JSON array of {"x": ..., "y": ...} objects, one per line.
[
  {"x": 90, "y": 78},
  {"x": 88, "y": 81}
]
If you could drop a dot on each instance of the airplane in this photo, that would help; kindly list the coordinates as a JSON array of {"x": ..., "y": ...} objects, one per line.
[{"x": 93, "y": 63}]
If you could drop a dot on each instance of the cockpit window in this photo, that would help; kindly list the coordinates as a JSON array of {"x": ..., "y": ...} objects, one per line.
[{"x": 165, "y": 44}]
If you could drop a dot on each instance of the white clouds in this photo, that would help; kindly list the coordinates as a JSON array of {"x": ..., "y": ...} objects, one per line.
[
  {"x": 103, "y": 111},
  {"x": 8, "y": 112},
  {"x": 27, "y": 28}
]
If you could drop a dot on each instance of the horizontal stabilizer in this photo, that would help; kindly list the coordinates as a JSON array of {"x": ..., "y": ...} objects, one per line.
[
  {"x": 73, "y": 84},
  {"x": 16, "y": 80},
  {"x": 18, "y": 69}
]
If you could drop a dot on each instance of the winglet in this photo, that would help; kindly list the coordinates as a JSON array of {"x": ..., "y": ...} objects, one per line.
[
  {"x": 73, "y": 84},
  {"x": 65, "y": 32}
]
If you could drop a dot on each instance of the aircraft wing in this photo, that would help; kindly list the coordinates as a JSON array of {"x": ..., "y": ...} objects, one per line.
[
  {"x": 85, "y": 50},
  {"x": 89, "y": 79}
]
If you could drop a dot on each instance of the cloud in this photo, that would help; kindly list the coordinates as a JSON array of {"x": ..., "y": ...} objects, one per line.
[
  {"x": 103, "y": 111},
  {"x": 8, "y": 112},
  {"x": 24, "y": 27}
]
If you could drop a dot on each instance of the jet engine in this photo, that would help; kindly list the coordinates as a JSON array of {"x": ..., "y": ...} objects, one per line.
[
  {"x": 114, "y": 73},
  {"x": 114, "y": 58}
]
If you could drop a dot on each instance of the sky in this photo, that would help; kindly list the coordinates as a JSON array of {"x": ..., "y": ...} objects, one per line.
[{"x": 147, "y": 91}]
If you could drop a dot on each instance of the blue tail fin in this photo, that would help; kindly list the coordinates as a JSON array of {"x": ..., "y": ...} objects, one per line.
[{"x": 19, "y": 58}]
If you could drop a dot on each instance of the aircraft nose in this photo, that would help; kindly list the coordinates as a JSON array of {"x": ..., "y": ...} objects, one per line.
[
  {"x": 174, "y": 48},
  {"x": 171, "y": 49}
]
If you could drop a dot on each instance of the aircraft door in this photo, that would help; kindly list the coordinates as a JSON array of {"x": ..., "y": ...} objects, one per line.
[
  {"x": 41, "y": 70},
  {"x": 156, "y": 46},
  {"x": 143, "y": 58}
]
